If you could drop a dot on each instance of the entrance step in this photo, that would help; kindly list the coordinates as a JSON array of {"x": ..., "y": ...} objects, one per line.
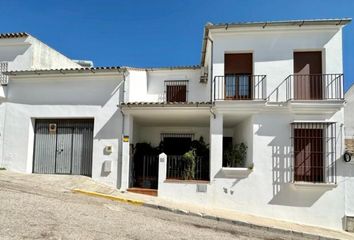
[{"x": 146, "y": 191}]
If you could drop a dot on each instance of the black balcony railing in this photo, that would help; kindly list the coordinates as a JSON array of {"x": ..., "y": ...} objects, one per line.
[
  {"x": 239, "y": 87},
  {"x": 176, "y": 168},
  {"x": 314, "y": 87}
]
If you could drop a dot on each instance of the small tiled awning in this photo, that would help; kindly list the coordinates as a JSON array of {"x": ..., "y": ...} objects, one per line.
[{"x": 163, "y": 104}]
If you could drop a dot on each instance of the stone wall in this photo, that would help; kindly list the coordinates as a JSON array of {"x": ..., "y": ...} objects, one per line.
[{"x": 349, "y": 145}]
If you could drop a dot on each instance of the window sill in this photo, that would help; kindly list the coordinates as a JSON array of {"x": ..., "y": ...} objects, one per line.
[
  {"x": 311, "y": 185},
  {"x": 186, "y": 181},
  {"x": 231, "y": 172}
]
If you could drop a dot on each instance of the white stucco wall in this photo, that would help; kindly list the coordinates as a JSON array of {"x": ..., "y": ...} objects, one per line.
[
  {"x": 267, "y": 190},
  {"x": 29, "y": 53},
  {"x": 243, "y": 133},
  {"x": 136, "y": 84},
  {"x": 63, "y": 97},
  {"x": 45, "y": 57},
  {"x": 273, "y": 50},
  {"x": 17, "y": 52},
  {"x": 25, "y": 53},
  {"x": 148, "y": 85}
]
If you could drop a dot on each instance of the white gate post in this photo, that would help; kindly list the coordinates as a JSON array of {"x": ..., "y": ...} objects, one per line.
[
  {"x": 162, "y": 169},
  {"x": 126, "y": 141},
  {"x": 216, "y": 142}
]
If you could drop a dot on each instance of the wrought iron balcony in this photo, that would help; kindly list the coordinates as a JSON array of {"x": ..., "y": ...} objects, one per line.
[
  {"x": 314, "y": 87},
  {"x": 239, "y": 87}
]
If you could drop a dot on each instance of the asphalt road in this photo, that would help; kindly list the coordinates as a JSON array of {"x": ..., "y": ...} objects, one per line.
[{"x": 36, "y": 212}]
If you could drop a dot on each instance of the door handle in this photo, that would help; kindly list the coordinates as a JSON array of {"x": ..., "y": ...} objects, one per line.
[{"x": 60, "y": 150}]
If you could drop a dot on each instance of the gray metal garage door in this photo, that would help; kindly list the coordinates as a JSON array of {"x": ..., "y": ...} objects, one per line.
[{"x": 63, "y": 146}]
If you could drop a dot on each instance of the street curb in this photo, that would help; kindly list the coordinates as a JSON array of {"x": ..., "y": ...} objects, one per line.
[
  {"x": 237, "y": 222},
  {"x": 110, "y": 197},
  {"x": 202, "y": 215}
]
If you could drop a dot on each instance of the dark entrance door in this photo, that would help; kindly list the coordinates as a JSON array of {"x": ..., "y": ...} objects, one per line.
[
  {"x": 308, "y": 75},
  {"x": 177, "y": 145},
  {"x": 63, "y": 146}
]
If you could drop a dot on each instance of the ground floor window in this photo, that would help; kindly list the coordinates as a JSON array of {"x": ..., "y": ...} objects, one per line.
[
  {"x": 314, "y": 149},
  {"x": 176, "y": 143},
  {"x": 234, "y": 155},
  {"x": 187, "y": 158}
]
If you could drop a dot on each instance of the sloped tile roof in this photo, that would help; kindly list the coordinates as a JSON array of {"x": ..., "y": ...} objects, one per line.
[
  {"x": 157, "y": 104},
  {"x": 14, "y": 35}
]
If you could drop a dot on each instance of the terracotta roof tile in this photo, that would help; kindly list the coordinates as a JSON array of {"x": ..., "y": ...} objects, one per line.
[{"x": 14, "y": 35}]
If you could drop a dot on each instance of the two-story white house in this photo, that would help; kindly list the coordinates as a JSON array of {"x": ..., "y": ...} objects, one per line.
[{"x": 262, "y": 114}]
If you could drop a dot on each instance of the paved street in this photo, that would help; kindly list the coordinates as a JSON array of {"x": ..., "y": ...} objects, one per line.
[{"x": 43, "y": 212}]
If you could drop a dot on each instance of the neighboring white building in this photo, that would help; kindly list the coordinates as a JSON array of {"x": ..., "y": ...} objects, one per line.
[
  {"x": 276, "y": 87},
  {"x": 21, "y": 51},
  {"x": 349, "y": 113}
]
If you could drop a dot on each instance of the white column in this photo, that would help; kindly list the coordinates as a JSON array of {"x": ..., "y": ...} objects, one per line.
[
  {"x": 126, "y": 141},
  {"x": 162, "y": 170},
  {"x": 216, "y": 139}
]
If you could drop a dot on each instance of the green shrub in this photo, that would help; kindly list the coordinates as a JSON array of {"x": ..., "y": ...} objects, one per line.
[
  {"x": 189, "y": 162},
  {"x": 235, "y": 156}
]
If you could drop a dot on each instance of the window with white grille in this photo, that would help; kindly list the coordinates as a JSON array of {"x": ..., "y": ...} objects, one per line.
[{"x": 3, "y": 68}]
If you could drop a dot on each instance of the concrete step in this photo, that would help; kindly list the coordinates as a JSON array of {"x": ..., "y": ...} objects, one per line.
[{"x": 146, "y": 191}]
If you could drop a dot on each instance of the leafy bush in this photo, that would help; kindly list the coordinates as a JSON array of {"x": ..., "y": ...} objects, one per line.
[
  {"x": 189, "y": 162},
  {"x": 200, "y": 147},
  {"x": 235, "y": 156},
  {"x": 144, "y": 149}
]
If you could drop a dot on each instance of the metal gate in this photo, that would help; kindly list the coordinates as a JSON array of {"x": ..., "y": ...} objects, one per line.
[{"x": 63, "y": 146}]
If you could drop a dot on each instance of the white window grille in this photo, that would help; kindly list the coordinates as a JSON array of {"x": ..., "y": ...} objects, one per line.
[{"x": 3, "y": 68}]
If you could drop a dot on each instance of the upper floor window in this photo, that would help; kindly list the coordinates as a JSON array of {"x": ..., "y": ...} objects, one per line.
[
  {"x": 3, "y": 68},
  {"x": 238, "y": 75},
  {"x": 176, "y": 91}
]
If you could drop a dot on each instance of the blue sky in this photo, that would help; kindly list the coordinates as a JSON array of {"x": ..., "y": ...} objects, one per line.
[{"x": 155, "y": 32}]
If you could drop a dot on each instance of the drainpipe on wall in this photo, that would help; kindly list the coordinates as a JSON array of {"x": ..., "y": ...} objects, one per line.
[
  {"x": 211, "y": 69},
  {"x": 122, "y": 133}
]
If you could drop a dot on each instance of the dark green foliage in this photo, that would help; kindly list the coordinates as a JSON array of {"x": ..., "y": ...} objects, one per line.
[
  {"x": 200, "y": 147},
  {"x": 235, "y": 155},
  {"x": 189, "y": 159}
]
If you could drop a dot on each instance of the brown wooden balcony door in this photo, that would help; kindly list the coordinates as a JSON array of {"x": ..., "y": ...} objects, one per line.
[
  {"x": 308, "y": 75},
  {"x": 238, "y": 76}
]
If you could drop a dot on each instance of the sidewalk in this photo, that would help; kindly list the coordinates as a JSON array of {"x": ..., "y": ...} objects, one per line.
[
  {"x": 218, "y": 214},
  {"x": 79, "y": 183}
]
